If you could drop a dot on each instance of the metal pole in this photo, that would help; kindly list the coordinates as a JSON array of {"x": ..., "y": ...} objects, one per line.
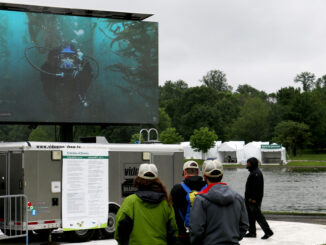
[
  {"x": 149, "y": 133},
  {"x": 141, "y": 132},
  {"x": 26, "y": 218}
]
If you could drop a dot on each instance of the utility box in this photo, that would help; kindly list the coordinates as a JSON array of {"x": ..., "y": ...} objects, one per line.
[{"x": 35, "y": 169}]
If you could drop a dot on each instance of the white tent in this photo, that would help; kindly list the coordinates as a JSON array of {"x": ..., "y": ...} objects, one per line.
[
  {"x": 230, "y": 151},
  {"x": 264, "y": 152},
  {"x": 213, "y": 152},
  {"x": 252, "y": 149},
  {"x": 190, "y": 153},
  {"x": 273, "y": 153}
]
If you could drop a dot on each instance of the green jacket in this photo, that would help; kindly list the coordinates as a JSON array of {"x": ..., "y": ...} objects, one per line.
[{"x": 146, "y": 218}]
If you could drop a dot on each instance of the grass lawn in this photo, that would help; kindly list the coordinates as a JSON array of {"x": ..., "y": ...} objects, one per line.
[
  {"x": 307, "y": 164},
  {"x": 310, "y": 156}
]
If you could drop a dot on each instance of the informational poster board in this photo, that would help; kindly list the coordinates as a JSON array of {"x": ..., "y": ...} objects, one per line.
[{"x": 85, "y": 189}]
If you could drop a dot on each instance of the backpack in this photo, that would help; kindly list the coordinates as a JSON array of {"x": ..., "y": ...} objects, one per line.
[{"x": 191, "y": 194}]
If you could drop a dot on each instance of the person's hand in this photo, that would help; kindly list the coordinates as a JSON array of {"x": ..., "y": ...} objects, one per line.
[{"x": 253, "y": 201}]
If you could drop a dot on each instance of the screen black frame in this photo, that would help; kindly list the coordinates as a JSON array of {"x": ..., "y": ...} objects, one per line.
[{"x": 73, "y": 12}]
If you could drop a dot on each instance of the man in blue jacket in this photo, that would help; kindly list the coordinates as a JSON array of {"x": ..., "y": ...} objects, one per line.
[{"x": 218, "y": 215}]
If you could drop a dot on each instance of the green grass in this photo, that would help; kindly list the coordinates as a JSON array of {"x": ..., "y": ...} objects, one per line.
[
  {"x": 306, "y": 164},
  {"x": 310, "y": 156}
]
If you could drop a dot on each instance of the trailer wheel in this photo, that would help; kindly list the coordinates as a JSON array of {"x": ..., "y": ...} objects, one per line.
[
  {"x": 80, "y": 235},
  {"x": 108, "y": 232}
]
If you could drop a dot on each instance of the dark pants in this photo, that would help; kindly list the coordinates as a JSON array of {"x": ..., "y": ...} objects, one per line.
[
  {"x": 255, "y": 214},
  {"x": 183, "y": 240}
]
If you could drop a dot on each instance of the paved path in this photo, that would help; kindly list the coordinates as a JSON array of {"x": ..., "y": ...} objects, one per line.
[{"x": 286, "y": 233}]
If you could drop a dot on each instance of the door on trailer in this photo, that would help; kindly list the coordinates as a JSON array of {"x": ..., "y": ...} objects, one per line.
[
  {"x": 11, "y": 173},
  {"x": 11, "y": 183}
]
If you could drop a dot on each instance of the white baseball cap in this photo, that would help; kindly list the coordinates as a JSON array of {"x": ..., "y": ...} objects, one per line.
[
  {"x": 146, "y": 168},
  {"x": 190, "y": 164},
  {"x": 210, "y": 166}
]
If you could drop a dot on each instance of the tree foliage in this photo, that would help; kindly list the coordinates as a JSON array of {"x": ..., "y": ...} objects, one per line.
[
  {"x": 135, "y": 138},
  {"x": 293, "y": 135},
  {"x": 164, "y": 120},
  {"x": 203, "y": 139},
  {"x": 246, "y": 89},
  {"x": 252, "y": 123},
  {"x": 307, "y": 79},
  {"x": 170, "y": 136},
  {"x": 216, "y": 80},
  {"x": 43, "y": 133}
]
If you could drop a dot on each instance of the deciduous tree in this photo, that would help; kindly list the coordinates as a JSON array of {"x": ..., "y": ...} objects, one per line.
[
  {"x": 203, "y": 139},
  {"x": 216, "y": 79},
  {"x": 293, "y": 135}
]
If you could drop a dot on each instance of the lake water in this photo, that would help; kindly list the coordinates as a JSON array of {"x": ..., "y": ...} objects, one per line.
[{"x": 285, "y": 191}]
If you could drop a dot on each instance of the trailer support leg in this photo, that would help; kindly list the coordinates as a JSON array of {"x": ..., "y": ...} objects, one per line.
[{"x": 50, "y": 237}]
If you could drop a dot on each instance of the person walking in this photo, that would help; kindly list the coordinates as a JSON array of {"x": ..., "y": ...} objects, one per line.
[
  {"x": 218, "y": 215},
  {"x": 147, "y": 217},
  {"x": 183, "y": 195},
  {"x": 254, "y": 196}
]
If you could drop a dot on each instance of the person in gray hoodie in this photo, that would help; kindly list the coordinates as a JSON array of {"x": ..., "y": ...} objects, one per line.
[{"x": 218, "y": 215}]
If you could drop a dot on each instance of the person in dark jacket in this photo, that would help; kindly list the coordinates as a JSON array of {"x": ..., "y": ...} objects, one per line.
[
  {"x": 218, "y": 215},
  {"x": 179, "y": 197},
  {"x": 147, "y": 217},
  {"x": 254, "y": 196}
]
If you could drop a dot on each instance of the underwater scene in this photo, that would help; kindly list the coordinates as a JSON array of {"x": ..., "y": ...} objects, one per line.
[{"x": 73, "y": 69}]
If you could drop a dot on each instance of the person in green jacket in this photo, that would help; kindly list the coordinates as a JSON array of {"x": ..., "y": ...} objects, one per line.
[{"x": 147, "y": 217}]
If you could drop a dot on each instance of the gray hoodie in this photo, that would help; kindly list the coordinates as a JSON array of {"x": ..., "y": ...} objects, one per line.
[{"x": 218, "y": 216}]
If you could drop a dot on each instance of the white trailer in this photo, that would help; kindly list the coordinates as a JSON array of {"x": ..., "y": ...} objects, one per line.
[{"x": 44, "y": 171}]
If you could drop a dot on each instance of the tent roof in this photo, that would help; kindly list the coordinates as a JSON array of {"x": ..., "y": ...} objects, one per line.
[
  {"x": 256, "y": 144},
  {"x": 231, "y": 146}
]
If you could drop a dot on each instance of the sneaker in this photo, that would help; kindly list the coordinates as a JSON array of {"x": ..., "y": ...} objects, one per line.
[
  {"x": 267, "y": 235},
  {"x": 250, "y": 235}
]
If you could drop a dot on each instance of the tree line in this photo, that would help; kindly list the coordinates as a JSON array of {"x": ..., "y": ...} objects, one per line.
[{"x": 294, "y": 117}]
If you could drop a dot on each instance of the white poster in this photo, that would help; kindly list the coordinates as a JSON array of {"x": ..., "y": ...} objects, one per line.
[{"x": 85, "y": 189}]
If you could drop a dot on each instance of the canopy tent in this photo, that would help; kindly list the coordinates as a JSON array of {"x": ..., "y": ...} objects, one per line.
[
  {"x": 213, "y": 152},
  {"x": 190, "y": 153},
  {"x": 273, "y": 153},
  {"x": 229, "y": 152},
  {"x": 264, "y": 152},
  {"x": 252, "y": 149}
]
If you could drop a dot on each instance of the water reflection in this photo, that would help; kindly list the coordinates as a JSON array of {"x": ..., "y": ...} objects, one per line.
[{"x": 285, "y": 191}]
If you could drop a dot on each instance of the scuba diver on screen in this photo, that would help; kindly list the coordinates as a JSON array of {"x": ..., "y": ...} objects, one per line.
[{"x": 66, "y": 75}]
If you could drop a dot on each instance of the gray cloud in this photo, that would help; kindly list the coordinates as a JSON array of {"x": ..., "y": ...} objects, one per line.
[{"x": 259, "y": 42}]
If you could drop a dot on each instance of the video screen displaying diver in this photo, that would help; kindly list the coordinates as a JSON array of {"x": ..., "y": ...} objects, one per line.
[
  {"x": 71, "y": 69},
  {"x": 66, "y": 69}
]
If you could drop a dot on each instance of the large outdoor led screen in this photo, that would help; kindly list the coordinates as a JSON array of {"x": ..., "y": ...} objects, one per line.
[{"x": 75, "y": 69}]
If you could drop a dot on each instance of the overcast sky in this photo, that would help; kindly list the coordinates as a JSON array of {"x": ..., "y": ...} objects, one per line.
[{"x": 258, "y": 42}]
